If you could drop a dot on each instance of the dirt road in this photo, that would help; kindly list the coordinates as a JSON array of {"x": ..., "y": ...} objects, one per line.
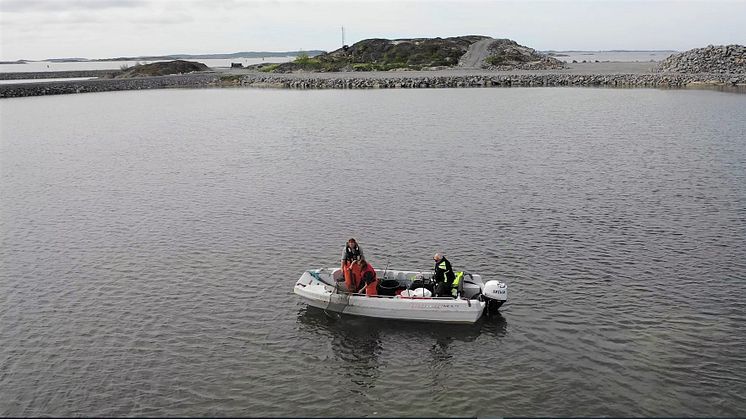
[{"x": 474, "y": 57}]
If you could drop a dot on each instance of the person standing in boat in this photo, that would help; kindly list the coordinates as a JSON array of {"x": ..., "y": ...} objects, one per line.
[
  {"x": 368, "y": 280},
  {"x": 444, "y": 276},
  {"x": 351, "y": 270}
]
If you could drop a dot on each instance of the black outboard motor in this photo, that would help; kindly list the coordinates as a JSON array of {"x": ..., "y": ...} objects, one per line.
[{"x": 495, "y": 293}]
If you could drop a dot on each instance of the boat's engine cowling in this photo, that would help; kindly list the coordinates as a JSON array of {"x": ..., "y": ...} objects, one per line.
[{"x": 495, "y": 294}]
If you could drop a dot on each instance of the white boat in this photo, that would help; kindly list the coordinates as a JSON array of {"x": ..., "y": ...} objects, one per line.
[{"x": 404, "y": 295}]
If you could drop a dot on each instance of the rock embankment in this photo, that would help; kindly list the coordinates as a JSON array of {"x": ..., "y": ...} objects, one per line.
[
  {"x": 723, "y": 59},
  {"x": 379, "y": 80},
  {"x": 58, "y": 74},
  {"x": 107, "y": 85},
  {"x": 485, "y": 80}
]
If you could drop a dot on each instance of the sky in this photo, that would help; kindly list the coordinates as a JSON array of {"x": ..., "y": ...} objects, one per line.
[{"x": 39, "y": 29}]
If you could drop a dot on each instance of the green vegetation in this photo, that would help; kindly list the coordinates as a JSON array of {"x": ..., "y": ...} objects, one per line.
[
  {"x": 363, "y": 67},
  {"x": 230, "y": 78},
  {"x": 302, "y": 58},
  {"x": 269, "y": 68},
  {"x": 306, "y": 63},
  {"x": 384, "y": 55}
]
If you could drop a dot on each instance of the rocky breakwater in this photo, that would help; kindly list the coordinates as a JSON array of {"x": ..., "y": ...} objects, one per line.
[
  {"x": 137, "y": 78},
  {"x": 58, "y": 74},
  {"x": 107, "y": 85},
  {"x": 402, "y": 80},
  {"x": 723, "y": 59}
]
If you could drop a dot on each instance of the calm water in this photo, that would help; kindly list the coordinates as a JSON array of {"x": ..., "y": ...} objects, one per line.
[
  {"x": 618, "y": 56},
  {"x": 150, "y": 242}
]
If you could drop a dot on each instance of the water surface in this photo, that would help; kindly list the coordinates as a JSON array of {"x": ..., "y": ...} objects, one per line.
[{"x": 149, "y": 243}]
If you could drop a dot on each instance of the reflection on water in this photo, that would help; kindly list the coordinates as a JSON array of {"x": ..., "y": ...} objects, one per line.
[
  {"x": 366, "y": 331},
  {"x": 317, "y": 319},
  {"x": 357, "y": 342}
]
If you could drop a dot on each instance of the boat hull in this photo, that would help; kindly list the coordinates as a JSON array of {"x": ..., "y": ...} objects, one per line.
[{"x": 318, "y": 289}]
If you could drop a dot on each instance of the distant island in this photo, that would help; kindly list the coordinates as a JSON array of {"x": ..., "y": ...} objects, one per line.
[
  {"x": 245, "y": 54},
  {"x": 161, "y": 69},
  {"x": 234, "y": 55}
]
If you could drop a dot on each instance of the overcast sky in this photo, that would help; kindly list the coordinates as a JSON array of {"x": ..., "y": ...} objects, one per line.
[{"x": 37, "y": 29}]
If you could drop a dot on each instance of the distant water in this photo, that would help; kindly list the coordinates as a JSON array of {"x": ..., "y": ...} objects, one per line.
[
  {"x": 149, "y": 243},
  {"x": 38, "y": 66},
  {"x": 614, "y": 56}
]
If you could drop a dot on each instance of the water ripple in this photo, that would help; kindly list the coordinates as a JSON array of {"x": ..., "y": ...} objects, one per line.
[{"x": 147, "y": 255}]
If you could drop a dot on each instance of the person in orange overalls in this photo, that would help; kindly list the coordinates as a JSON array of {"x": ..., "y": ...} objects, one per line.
[
  {"x": 352, "y": 253},
  {"x": 368, "y": 280}
]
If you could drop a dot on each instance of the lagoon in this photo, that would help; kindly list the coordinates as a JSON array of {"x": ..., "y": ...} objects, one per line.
[{"x": 149, "y": 243}]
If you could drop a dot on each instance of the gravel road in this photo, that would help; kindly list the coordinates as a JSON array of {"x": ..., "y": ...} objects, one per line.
[{"x": 474, "y": 57}]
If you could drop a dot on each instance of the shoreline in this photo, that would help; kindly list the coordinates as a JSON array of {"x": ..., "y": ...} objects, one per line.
[{"x": 612, "y": 75}]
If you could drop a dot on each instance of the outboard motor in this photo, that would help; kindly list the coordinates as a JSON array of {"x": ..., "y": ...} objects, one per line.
[{"x": 495, "y": 293}]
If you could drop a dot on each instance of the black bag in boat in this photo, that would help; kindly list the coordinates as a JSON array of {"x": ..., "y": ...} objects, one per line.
[{"x": 388, "y": 287}]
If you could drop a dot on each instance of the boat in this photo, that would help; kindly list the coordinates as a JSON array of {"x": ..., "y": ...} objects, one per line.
[{"x": 403, "y": 295}]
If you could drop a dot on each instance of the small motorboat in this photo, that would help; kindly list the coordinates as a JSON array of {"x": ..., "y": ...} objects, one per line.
[{"x": 403, "y": 295}]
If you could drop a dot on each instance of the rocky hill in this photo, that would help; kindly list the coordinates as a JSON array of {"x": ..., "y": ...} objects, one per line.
[
  {"x": 163, "y": 69},
  {"x": 473, "y": 51},
  {"x": 387, "y": 54},
  {"x": 720, "y": 59},
  {"x": 506, "y": 54}
]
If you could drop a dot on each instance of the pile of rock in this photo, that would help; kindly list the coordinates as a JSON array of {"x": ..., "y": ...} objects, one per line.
[
  {"x": 506, "y": 54},
  {"x": 723, "y": 59},
  {"x": 165, "y": 68}
]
